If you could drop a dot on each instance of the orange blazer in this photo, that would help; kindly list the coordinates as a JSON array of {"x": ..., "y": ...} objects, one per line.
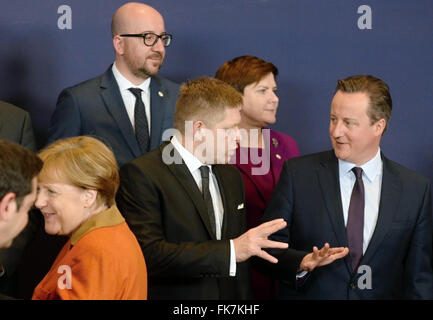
[{"x": 102, "y": 260}]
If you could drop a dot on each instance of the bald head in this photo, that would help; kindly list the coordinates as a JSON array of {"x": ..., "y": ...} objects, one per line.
[
  {"x": 125, "y": 18},
  {"x": 135, "y": 60}
]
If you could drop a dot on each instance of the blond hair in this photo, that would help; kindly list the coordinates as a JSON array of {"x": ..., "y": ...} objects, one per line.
[
  {"x": 204, "y": 99},
  {"x": 84, "y": 162}
]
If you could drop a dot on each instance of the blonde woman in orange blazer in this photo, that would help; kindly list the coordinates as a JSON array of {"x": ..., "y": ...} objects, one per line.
[{"x": 102, "y": 259}]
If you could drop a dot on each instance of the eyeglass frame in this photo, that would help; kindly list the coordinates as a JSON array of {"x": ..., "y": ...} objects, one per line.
[{"x": 143, "y": 35}]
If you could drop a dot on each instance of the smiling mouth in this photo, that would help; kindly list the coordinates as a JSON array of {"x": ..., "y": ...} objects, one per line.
[
  {"x": 340, "y": 143},
  {"x": 47, "y": 215}
]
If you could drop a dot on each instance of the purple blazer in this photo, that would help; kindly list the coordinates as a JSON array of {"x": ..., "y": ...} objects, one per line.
[{"x": 259, "y": 189}]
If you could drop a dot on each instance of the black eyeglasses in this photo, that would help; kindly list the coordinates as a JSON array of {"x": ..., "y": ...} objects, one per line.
[{"x": 150, "y": 38}]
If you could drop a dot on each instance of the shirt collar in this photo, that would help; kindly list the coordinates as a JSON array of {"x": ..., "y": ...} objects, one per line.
[
  {"x": 108, "y": 218},
  {"x": 371, "y": 168},
  {"x": 125, "y": 84},
  {"x": 190, "y": 160}
]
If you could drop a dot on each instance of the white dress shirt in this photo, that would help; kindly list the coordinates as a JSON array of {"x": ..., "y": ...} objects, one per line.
[
  {"x": 194, "y": 165},
  {"x": 372, "y": 178},
  {"x": 129, "y": 99}
]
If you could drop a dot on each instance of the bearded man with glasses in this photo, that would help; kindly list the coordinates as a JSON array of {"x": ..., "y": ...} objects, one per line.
[{"x": 129, "y": 106}]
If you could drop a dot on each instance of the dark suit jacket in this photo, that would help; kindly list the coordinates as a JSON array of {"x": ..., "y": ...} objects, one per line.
[
  {"x": 95, "y": 107},
  {"x": 16, "y": 125},
  {"x": 399, "y": 253},
  {"x": 165, "y": 209}
]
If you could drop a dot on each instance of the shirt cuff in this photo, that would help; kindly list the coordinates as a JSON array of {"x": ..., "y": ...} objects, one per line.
[
  {"x": 301, "y": 274},
  {"x": 232, "y": 259}
]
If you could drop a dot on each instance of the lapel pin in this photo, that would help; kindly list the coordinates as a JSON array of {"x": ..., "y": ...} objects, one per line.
[
  {"x": 278, "y": 156},
  {"x": 160, "y": 94},
  {"x": 275, "y": 142},
  {"x": 241, "y": 206}
]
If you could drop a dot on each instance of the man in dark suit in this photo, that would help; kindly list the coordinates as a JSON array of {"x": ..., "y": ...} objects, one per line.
[
  {"x": 354, "y": 196},
  {"x": 131, "y": 122},
  {"x": 18, "y": 183},
  {"x": 16, "y": 125},
  {"x": 186, "y": 206}
]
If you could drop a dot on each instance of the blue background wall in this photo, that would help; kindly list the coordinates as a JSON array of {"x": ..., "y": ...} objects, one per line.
[{"x": 313, "y": 43}]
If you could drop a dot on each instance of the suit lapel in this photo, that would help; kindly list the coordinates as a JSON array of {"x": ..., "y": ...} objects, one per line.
[
  {"x": 330, "y": 187},
  {"x": 157, "y": 110},
  {"x": 277, "y": 156},
  {"x": 113, "y": 100},
  {"x": 185, "y": 178},
  {"x": 388, "y": 207}
]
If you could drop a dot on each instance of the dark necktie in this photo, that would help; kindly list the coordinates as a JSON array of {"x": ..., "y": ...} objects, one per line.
[
  {"x": 141, "y": 127},
  {"x": 355, "y": 220},
  {"x": 204, "y": 170}
]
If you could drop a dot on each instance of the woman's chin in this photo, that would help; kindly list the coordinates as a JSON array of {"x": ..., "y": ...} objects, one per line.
[{"x": 51, "y": 230}]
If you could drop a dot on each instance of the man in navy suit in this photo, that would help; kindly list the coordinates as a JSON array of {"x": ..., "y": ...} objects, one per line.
[
  {"x": 105, "y": 107},
  {"x": 354, "y": 196}
]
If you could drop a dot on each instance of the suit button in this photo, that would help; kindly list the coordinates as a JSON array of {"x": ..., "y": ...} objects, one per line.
[{"x": 352, "y": 285}]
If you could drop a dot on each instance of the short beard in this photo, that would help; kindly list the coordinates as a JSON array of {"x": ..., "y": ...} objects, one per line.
[
  {"x": 144, "y": 72},
  {"x": 141, "y": 71}
]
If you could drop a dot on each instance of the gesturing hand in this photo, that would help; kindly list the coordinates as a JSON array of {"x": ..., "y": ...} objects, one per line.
[
  {"x": 251, "y": 242},
  {"x": 322, "y": 257}
]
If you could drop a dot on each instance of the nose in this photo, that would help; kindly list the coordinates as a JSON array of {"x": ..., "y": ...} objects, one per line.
[
  {"x": 336, "y": 129},
  {"x": 274, "y": 97},
  {"x": 41, "y": 200},
  {"x": 159, "y": 46}
]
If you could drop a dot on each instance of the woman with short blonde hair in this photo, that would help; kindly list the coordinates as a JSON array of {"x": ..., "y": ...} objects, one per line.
[{"x": 76, "y": 190}]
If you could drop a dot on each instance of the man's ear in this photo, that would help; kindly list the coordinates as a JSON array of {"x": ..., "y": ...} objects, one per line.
[
  {"x": 8, "y": 205},
  {"x": 89, "y": 197},
  {"x": 197, "y": 129},
  {"x": 380, "y": 126},
  {"x": 118, "y": 44}
]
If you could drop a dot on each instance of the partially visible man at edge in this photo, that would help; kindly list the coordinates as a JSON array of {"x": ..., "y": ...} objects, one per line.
[{"x": 19, "y": 168}]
